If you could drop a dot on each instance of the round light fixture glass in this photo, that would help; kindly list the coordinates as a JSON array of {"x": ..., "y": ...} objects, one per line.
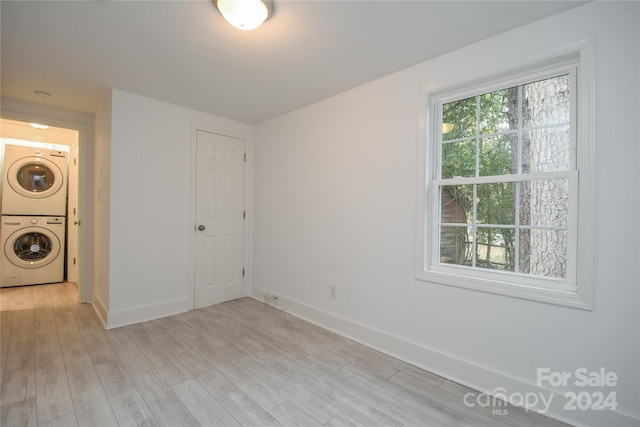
[{"x": 245, "y": 14}]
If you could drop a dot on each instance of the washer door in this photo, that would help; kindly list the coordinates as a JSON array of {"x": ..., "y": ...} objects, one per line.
[
  {"x": 35, "y": 177},
  {"x": 32, "y": 247}
]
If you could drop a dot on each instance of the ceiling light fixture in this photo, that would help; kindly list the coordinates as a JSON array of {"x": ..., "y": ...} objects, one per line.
[{"x": 245, "y": 14}]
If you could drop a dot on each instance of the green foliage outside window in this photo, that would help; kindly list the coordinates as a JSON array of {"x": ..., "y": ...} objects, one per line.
[{"x": 506, "y": 132}]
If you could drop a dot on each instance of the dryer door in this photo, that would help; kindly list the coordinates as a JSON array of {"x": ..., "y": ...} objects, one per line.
[
  {"x": 35, "y": 177},
  {"x": 32, "y": 247}
]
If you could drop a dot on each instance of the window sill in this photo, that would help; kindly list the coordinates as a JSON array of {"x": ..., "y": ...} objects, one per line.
[{"x": 567, "y": 298}]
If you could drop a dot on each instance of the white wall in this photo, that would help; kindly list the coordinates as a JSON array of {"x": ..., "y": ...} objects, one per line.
[
  {"x": 101, "y": 173},
  {"x": 150, "y": 206},
  {"x": 335, "y": 186}
]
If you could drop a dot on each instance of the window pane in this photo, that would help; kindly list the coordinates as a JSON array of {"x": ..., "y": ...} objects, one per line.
[
  {"x": 518, "y": 132},
  {"x": 495, "y": 248},
  {"x": 459, "y": 159},
  {"x": 496, "y": 203},
  {"x": 546, "y": 102},
  {"x": 499, "y": 155},
  {"x": 456, "y": 204},
  {"x": 455, "y": 245},
  {"x": 546, "y": 150},
  {"x": 459, "y": 119},
  {"x": 544, "y": 203},
  {"x": 499, "y": 111},
  {"x": 543, "y": 252}
]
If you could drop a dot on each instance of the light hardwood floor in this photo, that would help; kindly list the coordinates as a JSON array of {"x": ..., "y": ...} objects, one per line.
[{"x": 238, "y": 363}]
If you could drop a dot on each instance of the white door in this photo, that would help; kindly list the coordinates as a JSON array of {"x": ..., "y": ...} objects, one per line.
[
  {"x": 220, "y": 215},
  {"x": 73, "y": 221}
]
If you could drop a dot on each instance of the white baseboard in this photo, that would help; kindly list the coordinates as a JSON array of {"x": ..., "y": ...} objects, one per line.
[
  {"x": 456, "y": 369},
  {"x": 99, "y": 309},
  {"x": 116, "y": 319}
]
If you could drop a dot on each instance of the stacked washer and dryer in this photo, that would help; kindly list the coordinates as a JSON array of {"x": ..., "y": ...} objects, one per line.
[{"x": 34, "y": 207}]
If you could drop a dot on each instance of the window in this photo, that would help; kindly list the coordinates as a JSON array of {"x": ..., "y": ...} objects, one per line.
[{"x": 502, "y": 194}]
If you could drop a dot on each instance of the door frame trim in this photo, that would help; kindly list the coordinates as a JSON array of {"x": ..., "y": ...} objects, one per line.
[
  {"x": 84, "y": 123},
  {"x": 248, "y": 205}
]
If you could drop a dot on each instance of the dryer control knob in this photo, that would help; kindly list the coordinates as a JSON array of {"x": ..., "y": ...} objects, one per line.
[{"x": 34, "y": 220}]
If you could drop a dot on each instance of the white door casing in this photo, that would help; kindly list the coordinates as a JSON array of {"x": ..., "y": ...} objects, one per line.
[
  {"x": 219, "y": 218},
  {"x": 83, "y": 124},
  {"x": 73, "y": 216}
]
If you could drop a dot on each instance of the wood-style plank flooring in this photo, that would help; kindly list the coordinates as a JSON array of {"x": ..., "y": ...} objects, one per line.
[{"x": 241, "y": 363}]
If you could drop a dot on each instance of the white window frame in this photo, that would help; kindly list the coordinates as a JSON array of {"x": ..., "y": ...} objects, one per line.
[{"x": 576, "y": 290}]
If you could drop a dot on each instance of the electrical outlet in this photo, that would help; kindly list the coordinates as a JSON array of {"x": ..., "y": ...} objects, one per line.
[{"x": 332, "y": 291}]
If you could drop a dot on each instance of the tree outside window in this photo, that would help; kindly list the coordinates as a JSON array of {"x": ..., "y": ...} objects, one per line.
[{"x": 503, "y": 179}]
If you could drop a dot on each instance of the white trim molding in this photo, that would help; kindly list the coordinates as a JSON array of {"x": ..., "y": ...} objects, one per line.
[
  {"x": 130, "y": 316},
  {"x": 99, "y": 310}
]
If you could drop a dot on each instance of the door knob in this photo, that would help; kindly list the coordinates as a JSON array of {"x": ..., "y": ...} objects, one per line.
[{"x": 201, "y": 227}]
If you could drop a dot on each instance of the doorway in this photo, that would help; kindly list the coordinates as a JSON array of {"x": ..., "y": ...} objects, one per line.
[
  {"x": 219, "y": 218},
  {"x": 41, "y": 136}
]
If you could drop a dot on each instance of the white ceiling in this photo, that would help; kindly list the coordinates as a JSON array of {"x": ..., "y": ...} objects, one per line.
[{"x": 184, "y": 53}]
